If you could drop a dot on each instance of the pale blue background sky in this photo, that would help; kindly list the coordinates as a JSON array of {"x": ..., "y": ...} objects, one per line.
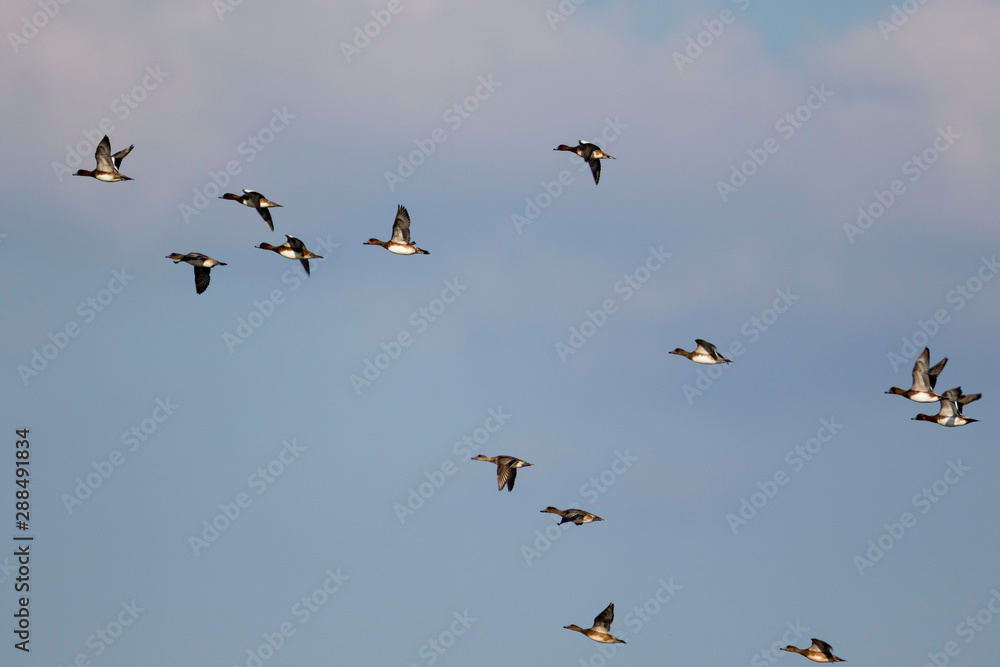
[{"x": 619, "y": 397}]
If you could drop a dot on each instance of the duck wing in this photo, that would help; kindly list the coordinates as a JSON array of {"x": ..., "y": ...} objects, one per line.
[
  {"x": 120, "y": 155},
  {"x": 103, "y": 155},
  {"x": 201, "y": 278},
  {"x": 603, "y": 621},
  {"x": 264, "y": 213},
  {"x": 401, "y": 226},
  {"x": 921, "y": 381}
]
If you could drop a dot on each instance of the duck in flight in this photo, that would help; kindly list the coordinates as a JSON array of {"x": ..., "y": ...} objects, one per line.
[
  {"x": 255, "y": 200},
  {"x": 202, "y": 266},
  {"x": 107, "y": 164},
  {"x": 820, "y": 651},
  {"x": 950, "y": 412},
  {"x": 601, "y": 631},
  {"x": 924, "y": 379},
  {"x": 506, "y": 469},
  {"x": 705, "y": 353},
  {"x": 579, "y": 517},
  {"x": 292, "y": 249},
  {"x": 399, "y": 243},
  {"x": 591, "y": 154}
]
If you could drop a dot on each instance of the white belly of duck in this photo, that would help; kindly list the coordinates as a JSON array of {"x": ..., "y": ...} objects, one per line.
[
  {"x": 704, "y": 359},
  {"x": 401, "y": 249}
]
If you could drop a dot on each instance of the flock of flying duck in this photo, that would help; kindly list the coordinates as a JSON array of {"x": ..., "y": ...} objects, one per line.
[
  {"x": 704, "y": 353},
  {"x": 399, "y": 243},
  {"x": 924, "y": 378},
  {"x": 921, "y": 391}
]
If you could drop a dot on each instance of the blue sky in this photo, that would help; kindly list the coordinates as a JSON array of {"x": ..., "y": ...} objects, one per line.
[{"x": 810, "y": 189}]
